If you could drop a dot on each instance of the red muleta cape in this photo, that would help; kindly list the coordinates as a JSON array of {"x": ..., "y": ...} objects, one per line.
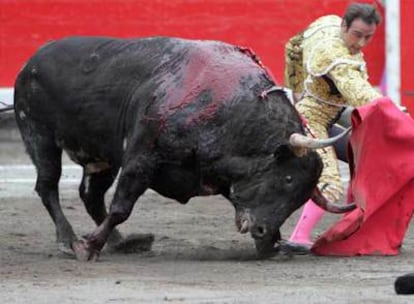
[{"x": 381, "y": 153}]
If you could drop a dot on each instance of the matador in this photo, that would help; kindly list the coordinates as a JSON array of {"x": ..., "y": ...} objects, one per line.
[{"x": 326, "y": 69}]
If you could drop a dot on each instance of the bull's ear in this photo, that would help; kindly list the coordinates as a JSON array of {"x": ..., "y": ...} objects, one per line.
[{"x": 283, "y": 152}]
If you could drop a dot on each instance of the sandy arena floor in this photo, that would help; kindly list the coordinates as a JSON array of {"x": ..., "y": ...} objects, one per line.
[{"x": 197, "y": 256}]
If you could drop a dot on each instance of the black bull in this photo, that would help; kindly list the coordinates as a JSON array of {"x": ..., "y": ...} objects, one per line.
[{"x": 185, "y": 118}]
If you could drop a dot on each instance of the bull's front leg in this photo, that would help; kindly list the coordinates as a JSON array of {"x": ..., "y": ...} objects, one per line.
[{"x": 134, "y": 179}]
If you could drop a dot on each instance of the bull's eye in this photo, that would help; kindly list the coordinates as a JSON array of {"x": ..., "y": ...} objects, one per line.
[{"x": 288, "y": 179}]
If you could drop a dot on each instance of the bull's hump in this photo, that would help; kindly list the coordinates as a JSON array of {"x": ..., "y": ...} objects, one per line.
[{"x": 210, "y": 75}]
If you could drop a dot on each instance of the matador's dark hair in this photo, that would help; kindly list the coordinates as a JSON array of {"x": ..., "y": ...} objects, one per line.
[{"x": 367, "y": 12}]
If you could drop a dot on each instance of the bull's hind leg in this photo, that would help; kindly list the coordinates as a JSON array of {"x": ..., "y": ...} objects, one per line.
[{"x": 46, "y": 157}]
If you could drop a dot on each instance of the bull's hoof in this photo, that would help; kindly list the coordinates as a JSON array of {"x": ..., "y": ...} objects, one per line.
[
  {"x": 65, "y": 243},
  {"x": 84, "y": 252},
  {"x": 134, "y": 243},
  {"x": 64, "y": 248},
  {"x": 405, "y": 284}
]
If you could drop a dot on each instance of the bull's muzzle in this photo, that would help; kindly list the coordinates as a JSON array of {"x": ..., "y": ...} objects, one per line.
[
  {"x": 264, "y": 238},
  {"x": 247, "y": 223}
]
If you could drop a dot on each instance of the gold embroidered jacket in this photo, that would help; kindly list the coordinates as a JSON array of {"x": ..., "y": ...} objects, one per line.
[{"x": 319, "y": 65}]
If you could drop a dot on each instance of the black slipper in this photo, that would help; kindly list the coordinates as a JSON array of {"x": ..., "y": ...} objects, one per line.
[{"x": 292, "y": 248}]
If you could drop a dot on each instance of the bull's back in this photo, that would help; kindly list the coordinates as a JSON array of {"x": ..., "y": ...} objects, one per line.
[
  {"x": 76, "y": 74},
  {"x": 90, "y": 90},
  {"x": 63, "y": 93},
  {"x": 89, "y": 75},
  {"x": 81, "y": 89}
]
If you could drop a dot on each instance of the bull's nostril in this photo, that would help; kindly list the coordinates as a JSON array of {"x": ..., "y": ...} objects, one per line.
[{"x": 260, "y": 231}]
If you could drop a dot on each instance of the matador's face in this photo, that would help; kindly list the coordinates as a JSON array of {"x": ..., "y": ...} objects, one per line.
[{"x": 357, "y": 35}]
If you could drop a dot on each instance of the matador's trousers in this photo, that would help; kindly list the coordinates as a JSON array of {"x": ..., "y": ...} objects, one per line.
[{"x": 319, "y": 121}]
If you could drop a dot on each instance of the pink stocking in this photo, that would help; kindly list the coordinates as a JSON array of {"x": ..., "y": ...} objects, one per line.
[{"x": 310, "y": 216}]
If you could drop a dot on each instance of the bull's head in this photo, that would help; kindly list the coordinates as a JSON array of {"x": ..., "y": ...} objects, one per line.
[{"x": 270, "y": 189}]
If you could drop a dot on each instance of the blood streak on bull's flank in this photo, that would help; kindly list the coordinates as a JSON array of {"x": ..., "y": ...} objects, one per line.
[{"x": 217, "y": 71}]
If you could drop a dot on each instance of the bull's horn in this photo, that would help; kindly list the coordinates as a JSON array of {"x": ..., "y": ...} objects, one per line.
[
  {"x": 302, "y": 141},
  {"x": 325, "y": 204}
]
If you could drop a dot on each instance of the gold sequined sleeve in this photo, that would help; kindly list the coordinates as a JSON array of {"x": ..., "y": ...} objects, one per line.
[
  {"x": 330, "y": 57},
  {"x": 352, "y": 84},
  {"x": 294, "y": 75}
]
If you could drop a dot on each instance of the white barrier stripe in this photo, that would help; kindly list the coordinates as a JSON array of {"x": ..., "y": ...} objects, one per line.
[
  {"x": 25, "y": 167},
  {"x": 6, "y": 95},
  {"x": 33, "y": 180}
]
